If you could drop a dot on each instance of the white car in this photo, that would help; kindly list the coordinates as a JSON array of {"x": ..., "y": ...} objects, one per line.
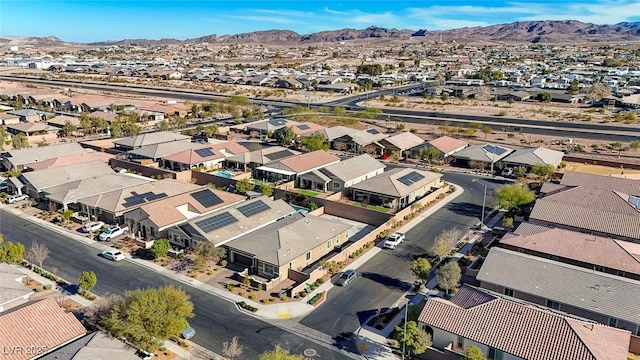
[
  {"x": 393, "y": 240},
  {"x": 93, "y": 226},
  {"x": 507, "y": 172},
  {"x": 113, "y": 255},
  {"x": 15, "y": 198}
]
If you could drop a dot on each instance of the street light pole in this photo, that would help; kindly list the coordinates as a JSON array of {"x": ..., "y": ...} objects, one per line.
[
  {"x": 404, "y": 334},
  {"x": 484, "y": 202}
]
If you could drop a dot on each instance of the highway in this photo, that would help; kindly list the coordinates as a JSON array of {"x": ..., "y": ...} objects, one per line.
[{"x": 559, "y": 129}]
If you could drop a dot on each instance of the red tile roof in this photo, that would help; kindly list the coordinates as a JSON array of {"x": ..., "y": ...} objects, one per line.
[
  {"x": 523, "y": 330},
  {"x": 40, "y": 327},
  {"x": 448, "y": 144},
  {"x": 312, "y": 160}
]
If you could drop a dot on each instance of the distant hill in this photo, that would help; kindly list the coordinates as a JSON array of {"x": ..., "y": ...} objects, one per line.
[
  {"x": 30, "y": 41},
  {"x": 558, "y": 32}
]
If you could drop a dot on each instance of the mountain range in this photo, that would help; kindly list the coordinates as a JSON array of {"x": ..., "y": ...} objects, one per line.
[{"x": 550, "y": 32}]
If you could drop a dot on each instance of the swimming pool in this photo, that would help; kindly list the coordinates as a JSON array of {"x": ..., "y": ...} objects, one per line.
[{"x": 224, "y": 174}]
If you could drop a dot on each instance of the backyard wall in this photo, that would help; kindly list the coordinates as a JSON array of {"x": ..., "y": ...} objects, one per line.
[
  {"x": 634, "y": 345},
  {"x": 141, "y": 169},
  {"x": 202, "y": 178}
]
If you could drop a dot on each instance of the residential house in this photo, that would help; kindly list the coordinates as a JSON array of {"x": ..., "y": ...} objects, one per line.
[
  {"x": 301, "y": 129},
  {"x": 61, "y": 120},
  {"x": 71, "y": 159},
  {"x": 608, "y": 299},
  {"x": 627, "y": 186},
  {"x": 111, "y": 205},
  {"x": 30, "y": 115},
  {"x": 290, "y": 168},
  {"x": 30, "y": 129},
  {"x": 505, "y": 329},
  {"x": 485, "y": 156},
  {"x": 8, "y": 119},
  {"x": 178, "y": 156},
  {"x": 97, "y": 345},
  {"x": 514, "y": 95},
  {"x": 106, "y": 116},
  {"x": 396, "y": 188},
  {"x": 530, "y": 157},
  {"x": 269, "y": 127},
  {"x": 37, "y": 329},
  {"x": 250, "y": 161},
  {"x": 229, "y": 223},
  {"x": 13, "y": 291},
  {"x": 596, "y": 211},
  {"x": 14, "y": 160},
  {"x": 289, "y": 82},
  {"x": 340, "y": 176},
  {"x": 400, "y": 144},
  {"x": 153, "y": 138},
  {"x": 341, "y": 88},
  {"x": 588, "y": 251},
  {"x": 353, "y": 140},
  {"x": 155, "y": 218},
  {"x": 292, "y": 243},
  {"x": 445, "y": 144}
]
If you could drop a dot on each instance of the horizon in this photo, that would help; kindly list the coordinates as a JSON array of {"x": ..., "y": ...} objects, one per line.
[{"x": 76, "y": 21}]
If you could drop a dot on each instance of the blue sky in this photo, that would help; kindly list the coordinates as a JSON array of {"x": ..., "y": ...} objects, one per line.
[{"x": 89, "y": 20}]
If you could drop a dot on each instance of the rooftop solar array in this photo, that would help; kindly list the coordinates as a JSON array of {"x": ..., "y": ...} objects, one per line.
[
  {"x": 304, "y": 127},
  {"x": 373, "y": 131},
  {"x": 206, "y": 152},
  {"x": 216, "y": 222},
  {"x": 253, "y": 208},
  {"x": 137, "y": 199},
  {"x": 494, "y": 149},
  {"x": 278, "y": 122},
  {"x": 206, "y": 198},
  {"x": 278, "y": 155},
  {"x": 635, "y": 201},
  {"x": 411, "y": 178}
]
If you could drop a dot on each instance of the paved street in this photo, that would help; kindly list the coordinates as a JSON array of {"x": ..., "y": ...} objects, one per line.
[
  {"x": 216, "y": 320},
  {"x": 386, "y": 277}
]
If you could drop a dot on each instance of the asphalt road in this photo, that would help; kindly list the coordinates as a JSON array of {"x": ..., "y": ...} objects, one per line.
[
  {"x": 215, "y": 320},
  {"x": 386, "y": 277}
]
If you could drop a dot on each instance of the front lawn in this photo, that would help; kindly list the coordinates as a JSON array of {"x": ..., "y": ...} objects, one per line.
[{"x": 373, "y": 207}]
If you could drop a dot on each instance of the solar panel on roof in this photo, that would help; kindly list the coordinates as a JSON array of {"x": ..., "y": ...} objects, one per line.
[
  {"x": 494, "y": 149},
  {"x": 411, "y": 178},
  {"x": 278, "y": 155},
  {"x": 253, "y": 208},
  {"x": 373, "y": 131},
  {"x": 137, "y": 199},
  {"x": 304, "y": 127},
  {"x": 216, "y": 222},
  {"x": 204, "y": 152},
  {"x": 635, "y": 201},
  {"x": 206, "y": 198}
]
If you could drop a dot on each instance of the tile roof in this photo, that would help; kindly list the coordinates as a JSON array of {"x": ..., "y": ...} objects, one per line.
[
  {"x": 480, "y": 153},
  {"x": 523, "y": 330},
  {"x": 95, "y": 346},
  {"x": 70, "y": 160},
  {"x": 535, "y": 156},
  {"x": 591, "y": 209},
  {"x": 163, "y": 150},
  {"x": 151, "y": 139},
  {"x": 31, "y": 127},
  {"x": 387, "y": 183},
  {"x": 591, "y": 249},
  {"x": 309, "y": 161},
  {"x": 260, "y": 156},
  {"x": 287, "y": 239},
  {"x": 73, "y": 191},
  {"x": 61, "y": 120},
  {"x": 11, "y": 286},
  {"x": 627, "y": 186},
  {"x": 29, "y": 155},
  {"x": 193, "y": 157},
  {"x": 109, "y": 117},
  {"x": 404, "y": 141},
  {"x": 353, "y": 168},
  {"x": 307, "y": 128},
  {"x": 230, "y": 148},
  {"x": 42, "y": 324},
  {"x": 448, "y": 144},
  {"x": 43, "y": 179},
  {"x": 586, "y": 289}
]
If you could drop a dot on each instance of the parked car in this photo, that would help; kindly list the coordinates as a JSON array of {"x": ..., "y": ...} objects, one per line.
[
  {"x": 112, "y": 232},
  {"x": 346, "y": 277},
  {"x": 15, "y": 198},
  {"x": 393, "y": 240},
  {"x": 507, "y": 172},
  {"x": 188, "y": 333},
  {"x": 93, "y": 226},
  {"x": 113, "y": 255}
]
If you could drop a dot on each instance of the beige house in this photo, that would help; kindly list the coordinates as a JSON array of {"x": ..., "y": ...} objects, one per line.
[{"x": 291, "y": 244}]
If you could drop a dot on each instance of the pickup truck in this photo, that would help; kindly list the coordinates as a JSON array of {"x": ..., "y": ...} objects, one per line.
[{"x": 112, "y": 232}]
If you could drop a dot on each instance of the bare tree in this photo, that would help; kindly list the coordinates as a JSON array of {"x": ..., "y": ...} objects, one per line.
[
  {"x": 444, "y": 242},
  {"x": 232, "y": 348},
  {"x": 52, "y": 207},
  {"x": 134, "y": 226},
  {"x": 38, "y": 253}
]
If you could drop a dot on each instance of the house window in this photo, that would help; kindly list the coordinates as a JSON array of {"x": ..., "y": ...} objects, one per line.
[
  {"x": 620, "y": 273},
  {"x": 598, "y": 268},
  {"x": 337, "y": 239},
  {"x": 460, "y": 342},
  {"x": 346, "y": 234},
  {"x": 520, "y": 250},
  {"x": 328, "y": 245},
  {"x": 553, "y": 305},
  {"x": 553, "y": 257},
  {"x": 613, "y": 322},
  {"x": 308, "y": 256},
  {"x": 508, "y": 292},
  {"x": 336, "y": 185},
  {"x": 269, "y": 269},
  {"x": 495, "y": 354}
]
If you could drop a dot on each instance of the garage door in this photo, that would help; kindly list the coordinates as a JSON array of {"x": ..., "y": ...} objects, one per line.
[{"x": 242, "y": 259}]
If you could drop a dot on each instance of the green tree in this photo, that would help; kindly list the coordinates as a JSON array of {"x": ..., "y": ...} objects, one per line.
[
  {"x": 137, "y": 319},
  {"x": 279, "y": 353},
  {"x": 416, "y": 340},
  {"x": 266, "y": 189},
  {"x": 507, "y": 222},
  {"x": 3, "y": 136},
  {"x": 209, "y": 252},
  {"x": 160, "y": 248},
  {"x": 20, "y": 141},
  {"x": 244, "y": 185},
  {"x": 67, "y": 214},
  {"x": 315, "y": 142},
  {"x": 512, "y": 196},
  {"x": 68, "y": 128},
  {"x": 87, "y": 281},
  {"x": 544, "y": 96},
  {"x": 486, "y": 130},
  {"x": 543, "y": 171},
  {"x": 239, "y": 100},
  {"x": 339, "y": 111},
  {"x": 449, "y": 276},
  {"x": 429, "y": 153},
  {"x": 421, "y": 268},
  {"x": 163, "y": 125},
  {"x": 519, "y": 171},
  {"x": 286, "y": 136},
  {"x": 473, "y": 353},
  {"x": 444, "y": 241},
  {"x": 11, "y": 252},
  {"x": 635, "y": 144},
  {"x": 86, "y": 124},
  {"x": 573, "y": 87}
]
